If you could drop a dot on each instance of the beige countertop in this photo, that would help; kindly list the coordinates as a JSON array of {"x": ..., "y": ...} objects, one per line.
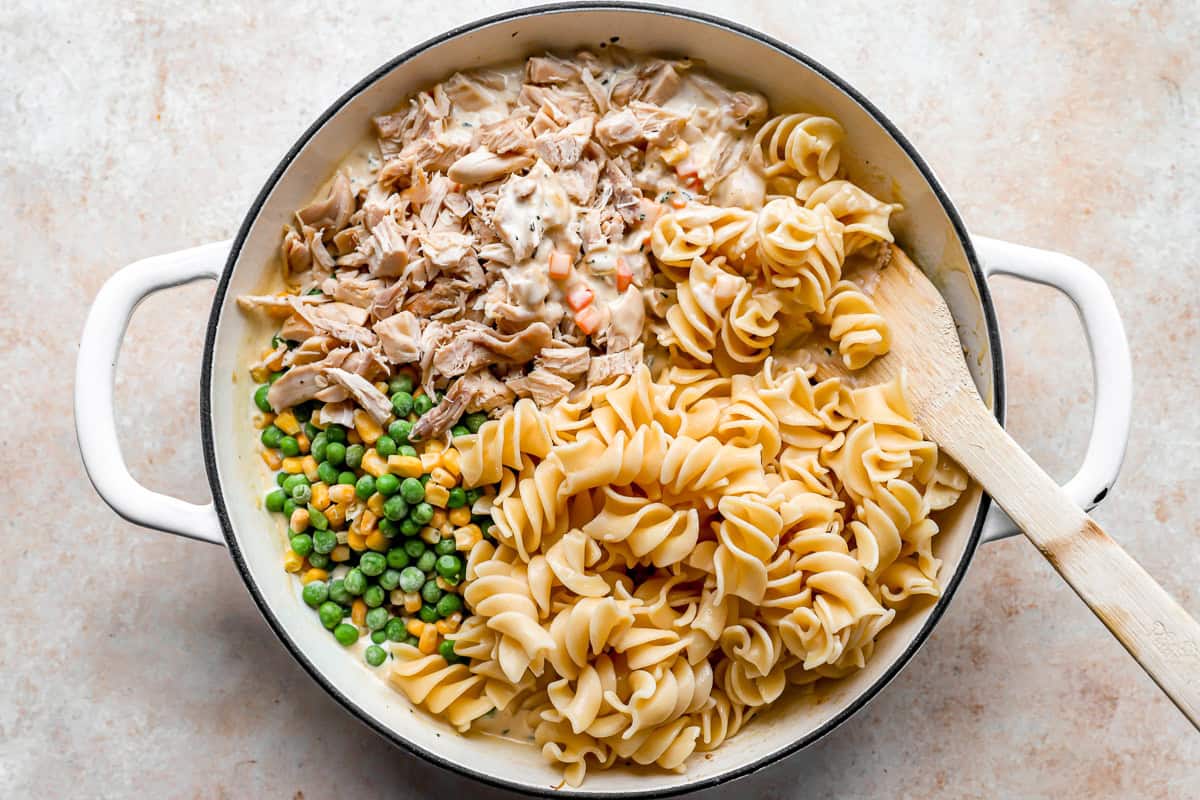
[{"x": 135, "y": 664}]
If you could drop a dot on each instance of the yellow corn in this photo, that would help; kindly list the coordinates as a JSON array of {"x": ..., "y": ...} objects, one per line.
[
  {"x": 434, "y": 446},
  {"x": 358, "y": 612},
  {"x": 373, "y": 463},
  {"x": 320, "y": 496},
  {"x": 375, "y": 505},
  {"x": 377, "y": 541},
  {"x": 438, "y": 519},
  {"x": 314, "y": 574},
  {"x": 430, "y": 535},
  {"x": 467, "y": 537},
  {"x": 460, "y": 516},
  {"x": 447, "y": 529},
  {"x": 292, "y": 561},
  {"x": 429, "y": 640},
  {"x": 287, "y": 423},
  {"x": 452, "y": 461},
  {"x": 310, "y": 468},
  {"x": 356, "y": 541},
  {"x": 415, "y": 626},
  {"x": 675, "y": 153},
  {"x": 367, "y": 520},
  {"x": 260, "y": 374},
  {"x": 352, "y": 437},
  {"x": 293, "y": 465},
  {"x": 341, "y": 493},
  {"x": 430, "y": 461},
  {"x": 339, "y": 554},
  {"x": 302, "y": 440},
  {"x": 412, "y": 602},
  {"x": 442, "y": 477},
  {"x": 443, "y": 584},
  {"x": 336, "y": 514},
  {"x": 382, "y": 386},
  {"x": 436, "y": 495},
  {"x": 404, "y": 466},
  {"x": 396, "y": 597},
  {"x": 263, "y": 420},
  {"x": 271, "y": 459},
  {"x": 273, "y": 360},
  {"x": 449, "y": 624},
  {"x": 367, "y": 427},
  {"x": 299, "y": 520}
]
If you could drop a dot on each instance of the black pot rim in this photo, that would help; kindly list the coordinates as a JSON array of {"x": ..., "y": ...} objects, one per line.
[{"x": 251, "y": 217}]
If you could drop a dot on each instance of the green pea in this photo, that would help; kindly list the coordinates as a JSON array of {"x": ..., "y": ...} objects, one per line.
[
  {"x": 311, "y": 431},
  {"x": 412, "y": 491},
  {"x": 330, "y": 614},
  {"x": 327, "y": 472},
  {"x": 388, "y": 528},
  {"x": 347, "y": 478},
  {"x": 336, "y": 433},
  {"x": 372, "y": 564},
  {"x": 315, "y": 593},
  {"x": 410, "y": 527},
  {"x": 459, "y": 430},
  {"x": 281, "y": 478},
  {"x": 448, "y": 604},
  {"x": 390, "y": 579},
  {"x": 422, "y": 405},
  {"x": 387, "y": 484},
  {"x": 446, "y": 651},
  {"x": 317, "y": 519},
  {"x": 338, "y": 593},
  {"x": 303, "y": 412},
  {"x": 448, "y": 566},
  {"x": 411, "y": 579},
  {"x": 292, "y": 481},
  {"x": 394, "y": 508},
  {"x": 319, "y": 560},
  {"x": 431, "y": 592},
  {"x": 422, "y": 513},
  {"x": 400, "y": 383},
  {"x": 364, "y": 487},
  {"x": 289, "y": 506},
  {"x": 399, "y": 431},
  {"x": 395, "y": 630},
  {"x": 474, "y": 421},
  {"x": 260, "y": 399},
  {"x": 426, "y": 561},
  {"x": 274, "y": 377},
  {"x": 354, "y": 455},
  {"x": 302, "y": 493},
  {"x": 335, "y": 453},
  {"x": 375, "y": 655},
  {"x": 274, "y": 500},
  {"x": 410, "y": 639},
  {"x": 484, "y": 523},
  {"x": 271, "y": 437},
  {"x": 402, "y": 403},
  {"x": 397, "y": 558},
  {"x": 378, "y": 637},
  {"x": 408, "y": 450},
  {"x": 445, "y": 546},
  {"x": 414, "y": 547},
  {"x": 318, "y": 446},
  {"x": 346, "y": 634},
  {"x": 458, "y": 498},
  {"x": 428, "y": 614},
  {"x": 289, "y": 446},
  {"x": 473, "y": 496},
  {"x": 355, "y": 581},
  {"x": 377, "y": 618},
  {"x": 374, "y": 596},
  {"x": 302, "y": 544},
  {"x": 385, "y": 446},
  {"x": 424, "y": 479},
  {"x": 324, "y": 541}
]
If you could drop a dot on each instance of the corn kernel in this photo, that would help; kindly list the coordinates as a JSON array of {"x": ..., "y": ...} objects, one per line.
[
  {"x": 460, "y": 516},
  {"x": 382, "y": 386},
  {"x": 336, "y": 514},
  {"x": 450, "y": 624},
  {"x": 358, "y": 612},
  {"x": 403, "y": 466},
  {"x": 352, "y": 437},
  {"x": 305, "y": 444},
  {"x": 299, "y": 520},
  {"x": 675, "y": 153},
  {"x": 260, "y": 374},
  {"x": 443, "y": 585},
  {"x": 467, "y": 537},
  {"x": 341, "y": 493},
  {"x": 273, "y": 359},
  {"x": 442, "y": 627},
  {"x": 375, "y": 505},
  {"x": 314, "y": 574},
  {"x": 428, "y": 641},
  {"x": 263, "y": 420},
  {"x": 374, "y": 464},
  {"x": 367, "y": 427},
  {"x": 366, "y": 520},
  {"x": 320, "y": 496},
  {"x": 415, "y": 626},
  {"x": 430, "y": 461},
  {"x": 434, "y": 446},
  {"x": 287, "y": 423},
  {"x": 357, "y": 541},
  {"x": 292, "y": 561},
  {"x": 377, "y": 541},
  {"x": 396, "y": 596},
  {"x": 430, "y": 535},
  {"x": 438, "y": 519},
  {"x": 339, "y": 554},
  {"x": 272, "y": 459},
  {"x": 436, "y": 495},
  {"x": 412, "y": 602},
  {"x": 447, "y": 529},
  {"x": 442, "y": 477},
  {"x": 452, "y": 461},
  {"x": 310, "y": 468},
  {"x": 293, "y": 465}
]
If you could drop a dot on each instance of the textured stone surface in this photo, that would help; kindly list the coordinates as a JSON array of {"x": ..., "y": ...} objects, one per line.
[{"x": 136, "y": 664}]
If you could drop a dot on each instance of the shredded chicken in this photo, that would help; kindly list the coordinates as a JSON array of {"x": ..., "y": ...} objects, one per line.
[{"x": 542, "y": 385}]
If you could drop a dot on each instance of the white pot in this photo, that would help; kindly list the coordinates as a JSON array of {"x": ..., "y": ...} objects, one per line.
[{"x": 875, "y": 153}]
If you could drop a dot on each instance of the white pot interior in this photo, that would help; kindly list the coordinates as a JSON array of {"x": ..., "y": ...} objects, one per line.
[{"x": 875, "y": 160}]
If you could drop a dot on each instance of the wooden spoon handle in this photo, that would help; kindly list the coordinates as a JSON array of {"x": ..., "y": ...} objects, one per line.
[{"x": 1155, "y": 629}]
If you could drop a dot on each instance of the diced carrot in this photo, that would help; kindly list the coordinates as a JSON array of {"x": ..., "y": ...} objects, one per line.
[
  {"x": 624, "y": 275},
  {"x": 560, "y": 265},
  {"x": 588, "y": 319},
  {"x": 677, "y": 200},
  {"x": 686, "y": 169},
  {"x": 579, "y": 297}
]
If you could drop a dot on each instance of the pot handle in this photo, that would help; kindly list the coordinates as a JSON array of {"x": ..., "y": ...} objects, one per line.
[
  {"x": 1112, "y": 372},
  {"x": 95, "y": 424}
]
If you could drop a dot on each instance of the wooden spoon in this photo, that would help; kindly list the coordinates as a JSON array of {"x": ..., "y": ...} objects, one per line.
[{"x": 1155, "y": 630}]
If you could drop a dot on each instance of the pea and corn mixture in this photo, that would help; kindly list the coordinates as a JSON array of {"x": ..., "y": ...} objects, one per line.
[{"x": 378, "y": 530}]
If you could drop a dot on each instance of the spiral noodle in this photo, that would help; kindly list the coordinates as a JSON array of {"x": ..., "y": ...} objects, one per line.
[
  {"x": 865, "y": 218},
  {"x": 803, "y": 144},
  {"x": 802, "y": 250},
  {"x": 700, "y": 308},
  {"x": 856, "y": 325}
]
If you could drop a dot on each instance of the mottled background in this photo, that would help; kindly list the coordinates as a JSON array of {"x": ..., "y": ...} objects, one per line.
[{"x": 132, "y": 663}]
